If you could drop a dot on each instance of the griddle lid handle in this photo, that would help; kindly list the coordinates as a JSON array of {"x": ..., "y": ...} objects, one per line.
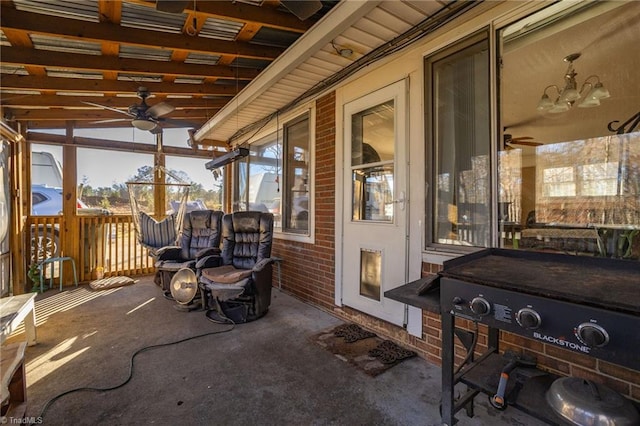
[{"x": 429, "y": 284}]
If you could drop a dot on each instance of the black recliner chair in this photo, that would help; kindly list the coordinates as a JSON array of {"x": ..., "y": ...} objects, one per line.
[
  {"x": 201, "y": 234},
  {"x": 236, "y": 285}
]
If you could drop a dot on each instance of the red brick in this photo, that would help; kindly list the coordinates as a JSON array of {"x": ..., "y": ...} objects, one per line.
[
  {"x": 572, "y": 357},
  {"x": 523, "y": 342},
  {"x": 622, "y": 373},
  {"x": 635, "y": 392}
]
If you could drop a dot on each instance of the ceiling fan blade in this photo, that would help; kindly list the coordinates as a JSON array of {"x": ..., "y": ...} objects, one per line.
[
  {"x": 172, "y": 6},
  {"x": 522, "y": 138},
  {"x": 160, "y": 109},
  {"x": 112, "y": 120},
  {"x": 108, "y": 108},
  {"x": 525, "y": 143},
  {"x": 303, "y": 9}
]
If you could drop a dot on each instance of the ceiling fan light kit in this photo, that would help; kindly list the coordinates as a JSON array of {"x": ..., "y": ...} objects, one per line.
[
  {"x": 568, "y": 96},
  {"x": 142, "y": 116},
  {"x": 143, "y": 124}
]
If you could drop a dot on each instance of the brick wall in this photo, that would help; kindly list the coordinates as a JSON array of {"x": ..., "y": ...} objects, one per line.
[{"x": 308, "y": 272}]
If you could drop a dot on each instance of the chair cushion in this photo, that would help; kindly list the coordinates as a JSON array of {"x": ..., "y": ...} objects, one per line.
[
  {"x": 157, "y": 234},
  {"x": 175, "y": 265},
  {"x": 226, "y": 274}
]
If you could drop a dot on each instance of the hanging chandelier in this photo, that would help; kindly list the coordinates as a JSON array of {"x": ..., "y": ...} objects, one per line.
[{"x": 568, "y": 96}]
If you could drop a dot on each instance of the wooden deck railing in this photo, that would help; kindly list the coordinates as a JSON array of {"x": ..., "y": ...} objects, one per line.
[{"x": 104, "y": 241}]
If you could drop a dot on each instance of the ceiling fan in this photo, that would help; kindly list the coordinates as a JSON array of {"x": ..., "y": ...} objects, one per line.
[
  {"x": 142, "y": 116},
  {"x": 509, "y": 141}
]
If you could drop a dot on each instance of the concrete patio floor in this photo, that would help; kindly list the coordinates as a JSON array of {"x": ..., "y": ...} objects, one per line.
[{"x": 267, "y": 372}]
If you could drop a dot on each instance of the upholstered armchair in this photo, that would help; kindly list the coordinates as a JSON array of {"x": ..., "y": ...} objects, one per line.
[
  {"x": 236, "y": 285},
  {"x": 201, "y": 233}
]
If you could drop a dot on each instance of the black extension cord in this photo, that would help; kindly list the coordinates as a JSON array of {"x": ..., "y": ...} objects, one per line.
[{"x": 139, "y": 351}]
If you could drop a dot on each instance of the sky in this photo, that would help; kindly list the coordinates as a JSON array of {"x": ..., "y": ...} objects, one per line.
[{"x": 103, "y": 168}]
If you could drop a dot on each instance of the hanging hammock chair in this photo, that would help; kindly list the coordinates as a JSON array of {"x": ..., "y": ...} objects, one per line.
[{"x": 151, "y": 233}]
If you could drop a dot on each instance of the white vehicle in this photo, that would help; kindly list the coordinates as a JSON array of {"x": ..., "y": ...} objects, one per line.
[{"x": 45, "y": 169}]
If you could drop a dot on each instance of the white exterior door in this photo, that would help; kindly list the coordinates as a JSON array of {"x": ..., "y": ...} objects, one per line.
[{"x": 374, "y": 241}]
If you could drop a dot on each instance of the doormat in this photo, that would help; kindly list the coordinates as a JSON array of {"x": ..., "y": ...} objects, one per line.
[{"x": 368, "y": 352}]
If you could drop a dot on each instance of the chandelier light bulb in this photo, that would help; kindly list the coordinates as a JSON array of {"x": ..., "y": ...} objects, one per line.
[
  {"x": 545, "y": 103},
  {"x": 560, "y": 106},
  {"x": 599, "y": 92}
]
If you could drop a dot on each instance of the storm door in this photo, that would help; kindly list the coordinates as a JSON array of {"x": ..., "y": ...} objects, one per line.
[{"x": 374, "y": 244}]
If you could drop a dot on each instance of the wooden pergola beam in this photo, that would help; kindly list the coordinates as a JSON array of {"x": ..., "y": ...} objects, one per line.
[
  {"x": 83, "y": 142},
  {"x": 23, "y": 82},
  {"x": 243, "y": 12},
  {"x": 25, "y": 56},
  {"x": 96, "y": 114},
  {"x": 34, "y": 101},
  {"x": 35, "y": 23}
]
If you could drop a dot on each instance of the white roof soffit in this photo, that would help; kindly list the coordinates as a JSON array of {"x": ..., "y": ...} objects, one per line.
[{"x": 340, "y": 17}]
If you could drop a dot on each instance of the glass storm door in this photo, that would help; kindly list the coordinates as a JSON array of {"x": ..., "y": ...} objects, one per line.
[{"x": 374, "y": 239}]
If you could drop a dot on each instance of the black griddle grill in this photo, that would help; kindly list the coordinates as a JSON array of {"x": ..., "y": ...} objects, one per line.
[{"x": 582, "y": 304}]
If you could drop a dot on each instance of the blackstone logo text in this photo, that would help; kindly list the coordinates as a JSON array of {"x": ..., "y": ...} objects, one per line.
[{"x": 561, "y": 342}]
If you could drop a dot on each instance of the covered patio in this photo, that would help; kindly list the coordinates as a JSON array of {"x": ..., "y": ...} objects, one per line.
[
  {"x": 387, "y": 140},
  {"x": 269, "y": 371}
]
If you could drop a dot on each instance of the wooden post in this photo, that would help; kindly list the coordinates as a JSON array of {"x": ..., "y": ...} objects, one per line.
[
  {"x": 159, "y": 191},
  {"x": 69, "y": 241},
  {"x": 20, "y": 194}
]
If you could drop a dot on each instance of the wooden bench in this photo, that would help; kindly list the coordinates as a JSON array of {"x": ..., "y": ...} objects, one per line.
[
  {"x": 16, "y": 309},
  {"x": 13, "y": 384}
]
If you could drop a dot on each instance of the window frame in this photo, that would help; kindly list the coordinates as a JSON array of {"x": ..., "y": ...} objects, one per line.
[
  {"x": 431, "y": 152},
  {"x": 278, "y": 127},
  {"x": 287, "y": 198}
]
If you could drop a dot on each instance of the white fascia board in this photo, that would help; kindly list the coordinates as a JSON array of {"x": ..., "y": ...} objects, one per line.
[{"x": 340, "y": 17}]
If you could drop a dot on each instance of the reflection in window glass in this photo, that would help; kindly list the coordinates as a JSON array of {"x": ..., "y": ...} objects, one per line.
[
  {"x": 258, "y": 177},
  {"x": 372, "y": 158},
  {"x": 296, "y": 140},
  {"x": 240, "y": 186},
  {"x": 580, "y": 164},
  {"x": 373, "y": 193},
  {"x": 269, "y": 181},
  {"x": 558, "y": 182},
  {"x": 373, "y": 135},
  {"x": 600, "y": 179},
  {"x": 459, "y": 81}
]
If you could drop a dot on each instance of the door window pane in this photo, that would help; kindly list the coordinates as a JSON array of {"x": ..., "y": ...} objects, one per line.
[
  {"x": 373, "y": 193},
  {"x": 372, "y": 158},
  {"x": 373, "y": 135}
]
